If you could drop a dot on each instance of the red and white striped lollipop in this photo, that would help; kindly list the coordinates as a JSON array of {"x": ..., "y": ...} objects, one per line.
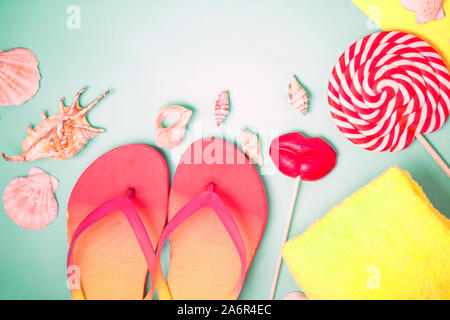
[{"x": 388, "y": 88}]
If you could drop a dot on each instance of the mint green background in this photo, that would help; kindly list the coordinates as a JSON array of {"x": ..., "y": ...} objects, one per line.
[{"x": 155, "y": 53}]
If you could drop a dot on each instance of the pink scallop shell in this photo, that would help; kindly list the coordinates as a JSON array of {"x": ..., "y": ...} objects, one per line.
[
  {"x": 426, "y": 10},
  {"x": 295, "y": 296},
  {"x": 30, "y": 201},
  {"x": 19, "y": 76},
  {"x": 172, "y": 136}
]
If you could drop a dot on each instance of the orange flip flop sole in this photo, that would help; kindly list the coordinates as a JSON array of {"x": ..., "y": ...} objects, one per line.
[
  {"x": 108, "y": 255},
  {"x": 204, "y": 262}
]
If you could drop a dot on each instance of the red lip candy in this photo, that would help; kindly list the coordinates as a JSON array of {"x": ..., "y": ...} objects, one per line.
[
  {"x": 302, "y": 158},
  {"x": 295, "y": 155}
]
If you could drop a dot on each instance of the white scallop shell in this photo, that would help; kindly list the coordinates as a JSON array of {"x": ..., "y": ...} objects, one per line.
[
  {"x": 30, "y": 201},
  {"x": 426, "y": 10},
  {"x": 19, "y": 76}
]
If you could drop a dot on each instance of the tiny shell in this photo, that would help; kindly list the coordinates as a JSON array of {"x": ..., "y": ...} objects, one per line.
[
  {"x": 30, "y": 201},
  {"x": 297, "y": 96},
  {"x": 222, "y": 107},
  {"x": 172, "y": 136},
  {"x": 426, "y": 10},
  {"x": 251, "y": 147},
  {"x": 19, "y": 76},
  {"x": 295, "y": 296},
  {"x": 60, "y": 136}
]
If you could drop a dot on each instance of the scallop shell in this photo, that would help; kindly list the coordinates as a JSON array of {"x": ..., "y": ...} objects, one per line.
[
  {"x": 426, "y": 10},
  {"x": 30, "y": 201},
  {"x": 19, "y": 76},
  {"x": 172, "y": 136},
  {"x": 222, "y": 107},
  {"x": 297, "y": 96},
  {"x": 251, "y": 147},
  {"x": 62, "y": 135}
]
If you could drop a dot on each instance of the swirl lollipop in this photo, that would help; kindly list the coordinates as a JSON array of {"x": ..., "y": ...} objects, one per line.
[
  {"x": 388, "y": 88},
  {"x": 308, "y": 159}
]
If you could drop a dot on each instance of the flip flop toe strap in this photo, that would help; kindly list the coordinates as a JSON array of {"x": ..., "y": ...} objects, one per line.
[
  {"x": 125, "y": 205},
  {"x": 211, "y": 199}
]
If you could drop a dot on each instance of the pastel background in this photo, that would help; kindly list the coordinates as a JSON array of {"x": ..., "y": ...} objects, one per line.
[{"x": 155, "y": 53}]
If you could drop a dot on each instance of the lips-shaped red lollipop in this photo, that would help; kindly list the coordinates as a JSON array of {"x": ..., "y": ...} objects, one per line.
[
  {"x": 303, "y": 158},
  {"x": 295, "y": 155}
]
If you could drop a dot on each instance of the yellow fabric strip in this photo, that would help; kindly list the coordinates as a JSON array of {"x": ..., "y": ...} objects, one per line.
[{"x": 391, "y": 15}]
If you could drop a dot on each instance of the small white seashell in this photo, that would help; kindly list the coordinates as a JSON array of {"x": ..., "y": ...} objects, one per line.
[
  {"x": 172, "y": 136},
  {"x": 297, "y": 96},
  {"x": 426, "y": 10},
  {"x": 222, "y": 107},
  {"x": 30, "y": 201},
  {"x": 19, "y": 76},
  {"x": 251, "y": 147}
]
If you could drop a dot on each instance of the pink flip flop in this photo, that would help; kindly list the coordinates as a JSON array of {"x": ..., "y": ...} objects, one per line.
[
  {"x": 116, "y": 213},
  {"x": 217, "y": 216}
]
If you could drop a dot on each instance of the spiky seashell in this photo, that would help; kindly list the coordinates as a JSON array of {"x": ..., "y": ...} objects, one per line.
[
  {"x": 426, "y": 10},
  {"x": 30, "y": 201},
  {"x": 222, "y": 107},
  {"x": 297, "y": 96},
  {"x": 251, "y": 147},
  {"x": 171, "y": 136},
  {"x": 19, "y": 76},
  {"x": 62, "y": 135}
]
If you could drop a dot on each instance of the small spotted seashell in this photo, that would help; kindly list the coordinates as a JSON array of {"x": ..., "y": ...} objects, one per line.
[
  {"x": 222, "y": 107},
  {"x": 297, "y": 96}
]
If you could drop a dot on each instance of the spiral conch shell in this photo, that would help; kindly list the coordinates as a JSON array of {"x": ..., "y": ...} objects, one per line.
[
  {"x": 172, "y": 136},
  {"x": 222, "y": 107},
  {"x": 30, "y": 201},
  {"x": 426, "y": 10},
  {"x": 251, "y": 147},
  {"x": 297, "y": 96},
  {"x": 19, "y": 76},
  {"x": 60, "y": 136}
]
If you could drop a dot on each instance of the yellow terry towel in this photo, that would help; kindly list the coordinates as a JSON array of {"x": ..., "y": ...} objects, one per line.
[
  {"x": 391, "y": 15},
  {"x": 386, "y": 241}
]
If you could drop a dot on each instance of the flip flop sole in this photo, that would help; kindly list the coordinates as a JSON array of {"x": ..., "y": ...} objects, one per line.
[
  {"x": 108, "y": 255},
  {"x": 204, "y": 262}
]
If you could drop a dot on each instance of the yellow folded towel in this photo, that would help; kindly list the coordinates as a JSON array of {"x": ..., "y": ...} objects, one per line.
[{"x": 386, "y": 241}]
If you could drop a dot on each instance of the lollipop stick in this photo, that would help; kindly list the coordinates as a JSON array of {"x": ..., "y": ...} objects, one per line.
[
  {"x": 285, "y": 234},
  {"x": 433, "y": 154}
]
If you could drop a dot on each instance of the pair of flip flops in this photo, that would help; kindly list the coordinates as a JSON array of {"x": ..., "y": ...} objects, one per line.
[{"x": 122, "y": 211}]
